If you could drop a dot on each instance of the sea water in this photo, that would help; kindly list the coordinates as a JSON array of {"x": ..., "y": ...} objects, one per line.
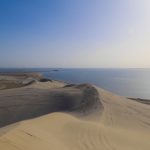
[{"x": 123, "y": 82}]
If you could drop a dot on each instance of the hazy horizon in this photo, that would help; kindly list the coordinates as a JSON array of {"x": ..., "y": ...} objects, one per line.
[{"x": 74, "y": 34}]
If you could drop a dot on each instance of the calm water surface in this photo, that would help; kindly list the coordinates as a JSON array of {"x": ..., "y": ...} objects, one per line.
[{"x": 123, "y": 82}]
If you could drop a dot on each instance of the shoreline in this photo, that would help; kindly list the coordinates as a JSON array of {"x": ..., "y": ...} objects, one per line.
[
  {"x": 39, "y": 74},
  {"x": 20, "y": 79}
]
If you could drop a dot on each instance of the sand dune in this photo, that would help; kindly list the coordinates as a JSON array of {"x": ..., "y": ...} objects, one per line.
[{"x": 71, "y": 116}]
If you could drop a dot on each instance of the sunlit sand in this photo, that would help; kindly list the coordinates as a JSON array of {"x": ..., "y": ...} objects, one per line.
[{"x": 41, "y": 114}]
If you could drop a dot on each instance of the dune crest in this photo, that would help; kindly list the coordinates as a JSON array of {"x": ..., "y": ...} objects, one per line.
[{"x": 35, "y": 99}]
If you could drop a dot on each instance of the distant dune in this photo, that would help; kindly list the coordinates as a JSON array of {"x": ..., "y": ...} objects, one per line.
[{"x": 44, "y": 114}]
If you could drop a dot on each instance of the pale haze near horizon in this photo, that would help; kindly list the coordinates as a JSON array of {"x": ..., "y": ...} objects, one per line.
[{"x": 75, "y": 34}]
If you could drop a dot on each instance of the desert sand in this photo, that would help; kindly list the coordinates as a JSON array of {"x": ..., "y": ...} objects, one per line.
[{"x": 37, "y": 113}]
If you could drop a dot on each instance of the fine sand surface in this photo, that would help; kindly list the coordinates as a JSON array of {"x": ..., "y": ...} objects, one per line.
[{"x": 45, "y": 114}]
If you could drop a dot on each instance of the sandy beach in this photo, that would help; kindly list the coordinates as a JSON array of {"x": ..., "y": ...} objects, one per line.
[{"x": 38, "y": 113}]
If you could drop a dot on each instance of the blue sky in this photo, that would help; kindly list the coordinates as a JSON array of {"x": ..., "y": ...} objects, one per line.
[{"x": 75, "y": 33}]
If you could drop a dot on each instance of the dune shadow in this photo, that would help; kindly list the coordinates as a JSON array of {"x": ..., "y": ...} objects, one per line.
[{"x": 79, "y": 100}]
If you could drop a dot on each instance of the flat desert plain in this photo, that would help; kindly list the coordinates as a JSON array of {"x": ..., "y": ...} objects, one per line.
[{"x": 37, "y": 113}]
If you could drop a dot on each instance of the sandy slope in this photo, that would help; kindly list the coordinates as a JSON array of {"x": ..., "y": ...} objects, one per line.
[{"x": 76, "y": 116}]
